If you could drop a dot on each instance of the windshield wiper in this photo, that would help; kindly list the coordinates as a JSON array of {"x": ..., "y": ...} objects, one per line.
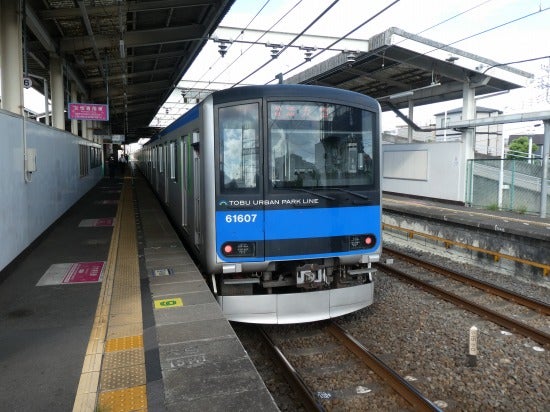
[
  {"x": 312, "y": 193},
  {"x": 351, "y": 193}
]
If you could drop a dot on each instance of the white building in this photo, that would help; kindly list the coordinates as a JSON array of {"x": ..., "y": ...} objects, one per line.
[{"x": 488, "y": 139}]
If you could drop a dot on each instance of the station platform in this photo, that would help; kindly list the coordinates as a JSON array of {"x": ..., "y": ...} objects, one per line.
[
  {"x": 501, "y": 221},
  {"x": 516, "y": 243},
  {"x": 107, "y": 311}
]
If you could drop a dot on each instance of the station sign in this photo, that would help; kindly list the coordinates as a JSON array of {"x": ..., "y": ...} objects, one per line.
[
  {"x": 88, "y": 111},
  {"x": 27, "y": 82}
]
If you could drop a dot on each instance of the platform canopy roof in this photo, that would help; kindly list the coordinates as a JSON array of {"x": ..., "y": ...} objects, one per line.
[
  {"x": 129, "y": 54},
  {"x": 397, "y": 66},
  {"x": 132, "y": 55}
]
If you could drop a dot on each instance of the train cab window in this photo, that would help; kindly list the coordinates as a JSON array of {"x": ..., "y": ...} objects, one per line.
[
  {"x": 239, "y": 132},
  {"x": 319, "y": 145}
]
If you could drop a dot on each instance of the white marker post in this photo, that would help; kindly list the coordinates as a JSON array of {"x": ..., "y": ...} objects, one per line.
[{"x": 472, "y": 347}]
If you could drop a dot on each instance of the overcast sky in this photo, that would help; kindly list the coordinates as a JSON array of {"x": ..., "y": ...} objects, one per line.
[{"x": 510, "y": 30}]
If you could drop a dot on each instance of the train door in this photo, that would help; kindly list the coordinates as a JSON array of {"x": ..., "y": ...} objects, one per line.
[
  {"x": 155, "y": 176},
  {"x": 167, "y": 172},
  {"x": 184, "y": 154},
  {"x": 161, "y": 173},
  {"x": 196, "y": 189}
]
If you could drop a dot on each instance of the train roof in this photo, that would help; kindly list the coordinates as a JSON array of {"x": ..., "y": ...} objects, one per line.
[
  {"x": 298, "y": 91},
  {"x": 274, "y": 91}
]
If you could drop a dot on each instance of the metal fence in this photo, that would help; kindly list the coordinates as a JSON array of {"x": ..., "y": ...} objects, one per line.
[{"x": 506, "y": 184}]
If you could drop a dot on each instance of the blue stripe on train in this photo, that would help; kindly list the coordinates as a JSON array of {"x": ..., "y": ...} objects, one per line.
[{"x": 296, "y": 223}]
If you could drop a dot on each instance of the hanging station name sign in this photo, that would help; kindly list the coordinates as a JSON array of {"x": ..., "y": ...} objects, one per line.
[{"x": 88, "y": 111}]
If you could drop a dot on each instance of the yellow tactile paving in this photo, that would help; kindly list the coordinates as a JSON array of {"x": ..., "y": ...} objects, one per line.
[
  {"x": 130, "y": 399},
  {"x": 120, "y": 378},
  {"x": 125, "y": 343},
  {"x": 113, "y": 376},
  {"x": 124, "y": 318},
  {"x": 130, "y": 329},
  {"x": 121, "y": 359}
]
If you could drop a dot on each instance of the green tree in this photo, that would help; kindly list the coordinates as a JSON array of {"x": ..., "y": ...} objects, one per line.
[{"x": 519, "y": 148}]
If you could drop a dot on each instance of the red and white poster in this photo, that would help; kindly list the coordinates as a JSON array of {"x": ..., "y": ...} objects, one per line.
[
  {"x": 84, "y": 272},
  {"x": 68, "y": 273},
  {"x": 88, "y": 111}
]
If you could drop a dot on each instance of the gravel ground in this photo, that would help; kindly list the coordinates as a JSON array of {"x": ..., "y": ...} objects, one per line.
[{"x": 426, "y": 339}]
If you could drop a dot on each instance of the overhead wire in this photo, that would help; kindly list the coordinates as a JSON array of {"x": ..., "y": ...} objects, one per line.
[
  {"x": 256, "y": 41},
  {"x": 344, "y": 36},
  {"x": 240, "y": 34},
  {"x": 443, "y": 46},
  {"x": 376, "y": 15},
  {"x": 292, "y": 42},
  {"x": 215, "y": 62}
]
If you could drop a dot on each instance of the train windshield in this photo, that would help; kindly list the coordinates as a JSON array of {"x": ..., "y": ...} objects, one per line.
[
  {"x": 320, "y": 145},
  {"x": 239, "y": 147}
]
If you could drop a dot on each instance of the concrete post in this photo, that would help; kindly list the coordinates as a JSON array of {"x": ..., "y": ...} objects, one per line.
[
  {"x": 411, "y": 114},
  {"x": 468, "y": 135},
  {"x": 11, "y": 48},
  {"x": 74, "y": 99},
  {"x": 46, "y": 102},
  {"x": 544, "y": 180},
  {"x": 58, "y": 98},
  {"x": 84, "y": 129}
]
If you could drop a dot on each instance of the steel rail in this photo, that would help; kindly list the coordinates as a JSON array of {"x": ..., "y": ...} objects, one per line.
[
  {"x": 308, "y": 399},
  {"x": 530, "y": 303},
  {"x": 504, "y": 321},
  {"x": 392, "y": 378}
]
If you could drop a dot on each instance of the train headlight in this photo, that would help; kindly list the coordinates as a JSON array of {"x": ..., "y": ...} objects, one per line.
[
  {"x": 239, "y": 249},
  {"x": 362, "y": 241}
]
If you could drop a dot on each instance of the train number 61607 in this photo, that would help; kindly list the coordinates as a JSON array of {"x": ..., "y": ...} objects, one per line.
[{"x": 241, "y": 218}]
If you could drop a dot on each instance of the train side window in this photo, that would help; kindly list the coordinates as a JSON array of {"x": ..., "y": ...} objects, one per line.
[
  {"x": 161, "y": 158},
  {"x": 239, "y": 131},
  {"x": 174, "y": 161}
]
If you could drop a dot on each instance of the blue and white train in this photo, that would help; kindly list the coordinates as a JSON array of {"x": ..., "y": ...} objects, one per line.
[{"x": 276, "y": 190}]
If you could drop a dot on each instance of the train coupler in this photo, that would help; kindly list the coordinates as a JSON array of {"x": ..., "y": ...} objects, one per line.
[{"x": 309, "y": 275}]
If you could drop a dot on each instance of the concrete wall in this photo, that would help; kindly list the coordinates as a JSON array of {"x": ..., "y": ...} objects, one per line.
[
  {"x": 29, "y": 208},
  {"x": 423, "y": 169}
]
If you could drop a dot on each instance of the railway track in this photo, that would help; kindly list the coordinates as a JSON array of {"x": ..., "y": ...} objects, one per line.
[
  {"x": 501, "y": 319},
  {"x": 321, "y": 398}
]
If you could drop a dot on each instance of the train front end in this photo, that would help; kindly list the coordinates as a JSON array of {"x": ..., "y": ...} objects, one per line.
[{"x": 296, "y": 203}]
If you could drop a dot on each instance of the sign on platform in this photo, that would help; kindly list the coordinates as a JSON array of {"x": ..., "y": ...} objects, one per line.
[
  {"x": 101, "y": 222},
  {"x": 88, "y": 111},
  {"x": 84, "y": 272},
  {"x": 67, "y": 273},
  {"x": 168, "y": 303}
]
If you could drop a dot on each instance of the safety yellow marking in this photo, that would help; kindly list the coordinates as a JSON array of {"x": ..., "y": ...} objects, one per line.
[
  {"x": 120, "y": 378},
  {"x": 120, "y": 331},
  {"x": 168, "y": 303},
  {"x": 128, "y": 342},
  {"x": 115, "y": 357},
  {"x": 124, "y": 358},
  {"x": 129, "y": 399}
]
